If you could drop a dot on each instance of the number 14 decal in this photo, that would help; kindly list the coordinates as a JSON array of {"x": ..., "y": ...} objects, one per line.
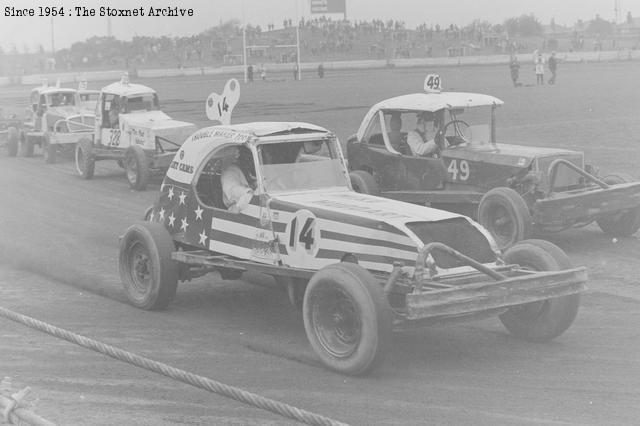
[
  {"x": 303, "y": 237},
  {"x": 460, "y": 170},
  {"x": 306, "y": 234}
]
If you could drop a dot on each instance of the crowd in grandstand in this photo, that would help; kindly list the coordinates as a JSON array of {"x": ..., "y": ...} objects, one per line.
[{"x": 321, "y": 39}]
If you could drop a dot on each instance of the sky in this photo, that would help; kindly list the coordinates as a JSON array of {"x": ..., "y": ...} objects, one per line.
[{"x": 30, "y": 32}]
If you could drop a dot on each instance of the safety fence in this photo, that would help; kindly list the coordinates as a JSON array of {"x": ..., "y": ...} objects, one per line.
[
  {"x": 201, "y": 382},
  {"x": 568, "y": 57}
]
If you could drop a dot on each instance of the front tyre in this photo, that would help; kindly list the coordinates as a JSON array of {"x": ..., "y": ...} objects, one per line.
[
  {"x": 363, "y": 182},
  {"x": 136, "y": 167},
  {"x": 149, "y": 275},
  {"x": 620, "y": 224},
  {"x": 85, "y": 162},
  {"x": 505, "y": 214},
  {"x": 49, "y": 150},
  {"x": 347, "y": 318},
  {"x": 546, "y": 319}
]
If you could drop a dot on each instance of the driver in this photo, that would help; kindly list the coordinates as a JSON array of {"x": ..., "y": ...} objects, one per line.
[
  {"x": 236, "y": 191},
  {"x": 418, "y": 140}
]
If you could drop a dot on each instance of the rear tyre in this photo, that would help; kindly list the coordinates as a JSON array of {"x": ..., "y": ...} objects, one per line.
[
  {"x": 13, "y": 142},
  {"x": 363, "y": 182},
  {"x": 50, "y": 152},
  {"x": 620, "y": 224},
  {"x": 85, "y": 162},
  {"x": 137, "y": 168},
  {"x": 149, "y": 275},
  {"x": 27, "y": 146},
  {"x": 347, "y": 318},
  {"x": 505, "y": 214},
  {"x": 546, "y": 319}
]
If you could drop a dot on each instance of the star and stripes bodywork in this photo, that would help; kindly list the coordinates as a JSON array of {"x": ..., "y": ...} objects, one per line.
[{"x": 304, "y": 229}]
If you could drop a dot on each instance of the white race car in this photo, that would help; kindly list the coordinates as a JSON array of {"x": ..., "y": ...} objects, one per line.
[
  {"x": 131, "y": 129},
  {"x": 359, "y": 265}
]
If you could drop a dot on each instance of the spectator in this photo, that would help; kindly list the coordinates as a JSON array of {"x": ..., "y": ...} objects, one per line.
[
  {"x": 250, "y": 73},
  {"x": 553, "y": 66},
  {"x": 514, "y": 67},
  {"x": 539, "y": 69},
  {"x": 321, "y": 70}
]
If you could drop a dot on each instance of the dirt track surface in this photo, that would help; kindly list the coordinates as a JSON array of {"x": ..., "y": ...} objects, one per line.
[{"x": 58, "y": 263}]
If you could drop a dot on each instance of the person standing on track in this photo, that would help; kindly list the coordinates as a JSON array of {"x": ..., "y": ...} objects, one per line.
[
  {"x": 539, "y": 69},
  {"x": 514, "y": 68},
  {"x": 553, "y": 66}
]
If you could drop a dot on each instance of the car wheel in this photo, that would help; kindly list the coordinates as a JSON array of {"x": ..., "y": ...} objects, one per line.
[
  {"x": 620, "y": 224},
  {"x": 363, "y": 182},
  {"x": 149, "y": 275},
  {"x": 49, "y": 150},
  {"x": 347, "y": 318},
  {"x": 27, "y": 146},
  {"x": 546, "y": 319},
  {"x": 505, "y": 214},
  {"x": 13, "y": 141},
  {"x": 137, "y": 168},
  {"x": 85, "y": 162}
]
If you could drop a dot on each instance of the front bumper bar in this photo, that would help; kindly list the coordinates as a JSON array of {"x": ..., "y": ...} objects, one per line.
[{"x": 486, "y": 290}]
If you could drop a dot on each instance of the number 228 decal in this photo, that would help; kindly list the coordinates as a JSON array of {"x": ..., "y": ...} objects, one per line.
[
  {"x": 459, "y": 171},
  {"x": 302, "y": 237}
]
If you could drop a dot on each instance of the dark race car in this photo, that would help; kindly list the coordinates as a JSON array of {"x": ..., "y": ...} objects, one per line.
[{"x": 513, "y": 189}]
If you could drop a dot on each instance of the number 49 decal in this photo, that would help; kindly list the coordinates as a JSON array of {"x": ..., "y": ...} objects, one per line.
[{"x": 459, "y": 171}]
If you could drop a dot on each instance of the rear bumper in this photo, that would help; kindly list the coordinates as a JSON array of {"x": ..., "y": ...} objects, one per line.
[
  {"x": 567, "y": 208},
  {"x": 471, "y": 299}
]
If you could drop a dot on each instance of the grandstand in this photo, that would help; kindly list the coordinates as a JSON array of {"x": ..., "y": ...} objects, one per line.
[{"x": 321, "y": 40}]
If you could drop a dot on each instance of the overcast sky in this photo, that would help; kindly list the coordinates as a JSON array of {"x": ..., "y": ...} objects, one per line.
[{"x": 33, "y": 31}]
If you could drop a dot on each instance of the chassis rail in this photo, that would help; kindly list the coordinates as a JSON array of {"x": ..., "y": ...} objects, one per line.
[{"x": 431, "y": 295}]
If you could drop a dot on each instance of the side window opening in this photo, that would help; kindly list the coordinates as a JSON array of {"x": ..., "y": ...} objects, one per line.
[
  {"x": 208, "y": 183},
  {"x": 373, "y": 135}
]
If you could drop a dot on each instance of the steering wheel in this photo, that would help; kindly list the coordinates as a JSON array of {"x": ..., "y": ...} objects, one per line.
[{"x": 460, "y": 129}]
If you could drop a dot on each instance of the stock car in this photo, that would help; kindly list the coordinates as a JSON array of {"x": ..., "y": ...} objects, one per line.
[
  {"x": 512, "y": 190},
  {"x": 359, "y": 266},
  {"x": 55, "y": 123},
  {"x": 131, "y": 129}
]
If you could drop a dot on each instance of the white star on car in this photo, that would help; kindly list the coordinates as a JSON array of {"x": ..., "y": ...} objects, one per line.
[
  {"x": 182, "y": 197},
  {"x": 198, "y": 213},
  {"x": 170, "y": 194},
  {"x": 184, "y": 224},
  {"x": 203, "y": 237},
  {"x": 171, "y": 219}
]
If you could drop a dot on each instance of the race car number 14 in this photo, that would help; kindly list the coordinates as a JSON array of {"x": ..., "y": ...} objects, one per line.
[{"x": 302, "y": 236}]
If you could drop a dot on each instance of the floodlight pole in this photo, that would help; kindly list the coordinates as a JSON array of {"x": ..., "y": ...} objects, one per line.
[
  {"x": 244, "y": 44},
  {"x": 53, "y": 46},
  {"x": 298, "y": 43}
]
